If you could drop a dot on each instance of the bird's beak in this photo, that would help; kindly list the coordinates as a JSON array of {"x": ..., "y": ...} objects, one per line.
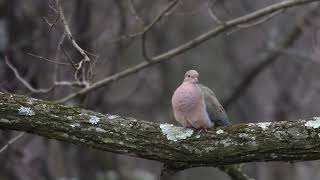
[{"x": 195, "y": 80}]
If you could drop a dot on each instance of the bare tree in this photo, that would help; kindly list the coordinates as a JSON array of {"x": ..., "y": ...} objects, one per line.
[{"x": 77, "y": 52}]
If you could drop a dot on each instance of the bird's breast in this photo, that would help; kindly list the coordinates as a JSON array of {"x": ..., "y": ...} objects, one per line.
[{"x": 186, "y": 98}]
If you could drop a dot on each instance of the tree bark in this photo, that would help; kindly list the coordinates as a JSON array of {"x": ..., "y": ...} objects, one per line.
[{"x": 177, "y": 147}]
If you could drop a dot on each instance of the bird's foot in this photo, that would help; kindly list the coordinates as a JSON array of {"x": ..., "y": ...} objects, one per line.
[{"x": 201, "y": 131}]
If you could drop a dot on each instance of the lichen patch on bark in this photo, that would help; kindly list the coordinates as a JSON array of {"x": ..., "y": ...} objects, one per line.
[{"x": 175, "y": 133}]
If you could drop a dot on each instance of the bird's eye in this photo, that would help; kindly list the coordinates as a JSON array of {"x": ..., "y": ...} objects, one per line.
[{"x": 189, "y": 76}]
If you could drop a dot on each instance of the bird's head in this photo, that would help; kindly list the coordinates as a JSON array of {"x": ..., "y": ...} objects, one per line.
[{"x": 191, "y": 76}]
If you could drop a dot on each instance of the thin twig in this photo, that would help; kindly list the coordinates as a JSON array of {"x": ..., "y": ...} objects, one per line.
[
  {"x": 52, "y": 25},
  {"x": 255, "y": 23},
  {"x": 213, "y": 14},
  {"x": 134, "y": 12},
  {"x": 144, "y": 47},
  {"x": 155, "y": 20},
  {"x": 191, "y": 44},
  {"x": 34, "y": 90},
  {"x": 70, "y": 36},
  {"x": 193, "y": 12},
  {"x": 260, "y": 21},
  {"x": 48, "y": 60},
  {"x": 68, "y": 57},
  {"x": 11, "y": 141},
  {"x": 24, "y": 82},
  {"x": 147, "y": 28},
  {"x": 91, "y": 54}
]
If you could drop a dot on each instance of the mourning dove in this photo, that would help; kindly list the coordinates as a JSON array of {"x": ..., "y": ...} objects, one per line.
[{"x": 196, "y": 106}]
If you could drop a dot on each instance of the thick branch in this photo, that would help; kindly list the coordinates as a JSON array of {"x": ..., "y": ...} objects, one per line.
[
  {"x": 234, "y": 23},
  {"x": 179, "y": 148}
]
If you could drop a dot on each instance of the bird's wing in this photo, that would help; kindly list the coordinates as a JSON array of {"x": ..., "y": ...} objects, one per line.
[{"x": 216, "y": 112}]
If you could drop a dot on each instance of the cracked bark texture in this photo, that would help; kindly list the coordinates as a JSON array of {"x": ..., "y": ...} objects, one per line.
[{"x": 278, "y": 141}]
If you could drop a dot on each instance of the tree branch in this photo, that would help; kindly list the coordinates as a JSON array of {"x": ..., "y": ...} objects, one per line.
[
  {"x": 70, "y": 36},
  {"x": 177, "y": 147},
  {"x": 84, "y": 55},
  {"x": 191, "y": 44}
]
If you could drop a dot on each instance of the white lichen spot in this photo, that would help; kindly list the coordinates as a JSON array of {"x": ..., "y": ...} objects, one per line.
[
  {"x": 4, "y": 120},
  {"x": 251, "y": 124},
  {"x": 94, "y": 119},
  {"x": 100, "y": 130},
  {"x": 111, "y": 117},
  {"x": 243, "y": 135},
  {"x": 25, "y": 111},
  {"x": 65, "y": 135},
  {"x": 264, "y": 125},
  {"x": 220, "y": 131},
  {"x": 206, "y": 149},
  {"x": 175, "y": 133},
  {"x": 69, "y": 117},
  {"x": 315, "y": 123},
  {"x": 252, "y": 143},
  {"x": 226, "y": 142},
  {"x": 30, "y": 101},
  {"x": 55, "y": 116},
  {"x": 75, "y": 125},
  {"x": 198, "y": 136},
  {"x": 273, "y": 156}
]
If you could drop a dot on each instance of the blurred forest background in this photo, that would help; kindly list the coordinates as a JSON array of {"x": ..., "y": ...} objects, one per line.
[{"x": 264, "y": 72}]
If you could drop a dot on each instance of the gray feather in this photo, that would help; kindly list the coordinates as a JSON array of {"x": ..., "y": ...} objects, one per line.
[{"x": 216, "y": 112}]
